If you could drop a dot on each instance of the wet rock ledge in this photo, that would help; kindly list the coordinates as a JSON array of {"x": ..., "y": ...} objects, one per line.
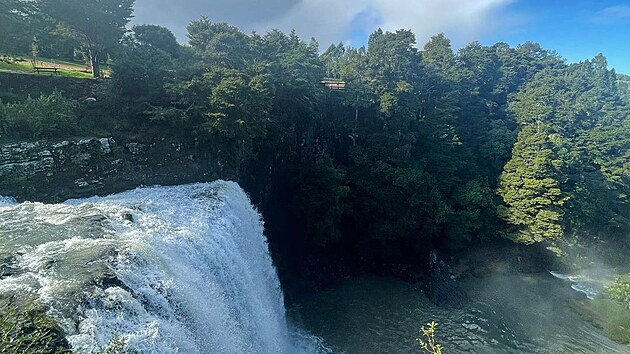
[{"x": 54, "y": 171}]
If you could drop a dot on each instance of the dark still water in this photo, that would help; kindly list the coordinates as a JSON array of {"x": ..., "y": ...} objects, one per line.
[{"x": 512, "y": 313}]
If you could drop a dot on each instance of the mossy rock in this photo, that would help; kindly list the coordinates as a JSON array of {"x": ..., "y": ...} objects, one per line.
[{"x": 27, "y": 329}]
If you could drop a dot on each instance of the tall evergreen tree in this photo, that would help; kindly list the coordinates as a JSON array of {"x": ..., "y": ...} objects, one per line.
[{"x": 530, "y": 186}]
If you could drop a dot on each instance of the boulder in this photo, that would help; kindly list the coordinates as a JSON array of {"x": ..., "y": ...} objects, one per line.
[{"x": 442, "y": 288}]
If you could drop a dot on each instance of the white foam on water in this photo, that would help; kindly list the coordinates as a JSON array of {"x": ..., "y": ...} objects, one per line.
[
  {"x": 187, "y": 268},
  {"x": 588, "y": 282}
]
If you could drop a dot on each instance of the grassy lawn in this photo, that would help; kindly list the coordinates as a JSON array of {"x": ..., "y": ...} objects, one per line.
[
  {"x": 21, "y": 68},
  {"x": 14, "y": 67},
  {"x": 66, "y": 68}
]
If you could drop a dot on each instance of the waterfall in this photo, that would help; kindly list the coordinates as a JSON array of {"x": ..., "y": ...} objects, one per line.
[{"x": 182, "y": 269}]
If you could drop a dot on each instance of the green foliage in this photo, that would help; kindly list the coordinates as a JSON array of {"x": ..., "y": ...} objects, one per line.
[
  {"x": 222, "y": 97},
  {"x": 18, "y": 25},
  {"x": 423, "y": 149},
  {"x": 421, "y": 138},
  {"x": 98, "y": 25},
  {"x": 427, "y": 341},
  {"x": 609, "y": 315},
  {"x": 236, "y": 104},
  {"x": 137, "y": 84},
  {"x": 44, "y": 117},
  {"x": 530, "y": 188},
  {"x": 158, "y": 37},
  {"x": 623, "y": 81},
  {"x": 568, "y": 168},
  {"x": 620, "y": 291},
  {"x": 321, "y": 196},
  {"x": 611, "y": 311},
  {"x": 219, "y": 44}
]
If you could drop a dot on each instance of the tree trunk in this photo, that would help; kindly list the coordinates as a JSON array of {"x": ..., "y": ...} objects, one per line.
[{"x": 94, "y": 57}]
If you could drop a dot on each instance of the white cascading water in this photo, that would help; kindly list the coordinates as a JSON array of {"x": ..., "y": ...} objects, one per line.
[
  {"x": 182, "y": 269},
  {"x": 592, "y": 282}
]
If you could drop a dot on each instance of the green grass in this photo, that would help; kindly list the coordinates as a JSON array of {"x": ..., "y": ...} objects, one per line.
[
  {"x": 80, "y": 65},
  {"x": 21, "y": 68},
  {"x": 68, "y": 68},
  {"x": 609, "y": 315},
  {"x": 75, "y": 74},
  {"x": 14, "y": 67}
]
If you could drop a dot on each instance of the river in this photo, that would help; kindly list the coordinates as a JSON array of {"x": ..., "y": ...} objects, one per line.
[
  {"x": 508, "y": 313},
  {"x": 186, "y": 269}
]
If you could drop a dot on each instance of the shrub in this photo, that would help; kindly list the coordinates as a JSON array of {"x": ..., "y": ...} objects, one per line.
[
  {"x": 47, "y": 116},
  {"x": 427, "y": 341},
  {"x": 619, "y": 291}
]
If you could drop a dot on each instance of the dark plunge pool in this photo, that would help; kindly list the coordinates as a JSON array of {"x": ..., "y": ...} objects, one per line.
[{"x": 508, "y": 313}]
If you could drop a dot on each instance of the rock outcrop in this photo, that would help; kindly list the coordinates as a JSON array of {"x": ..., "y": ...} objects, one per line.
[
  {"x": 52, "y": 172},
  {"x": 442, "y": 288}
]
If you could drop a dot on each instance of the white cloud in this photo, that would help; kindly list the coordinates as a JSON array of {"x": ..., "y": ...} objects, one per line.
[
  {"x": 613, "y": 14},
  {"x": 326, "y": 20},
  {"x": 462, "y": 20},
  {"x": 331, "y": 21}
]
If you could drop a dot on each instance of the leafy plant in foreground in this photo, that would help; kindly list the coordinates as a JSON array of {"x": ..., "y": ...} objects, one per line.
[{"x": 427, "y": 341}]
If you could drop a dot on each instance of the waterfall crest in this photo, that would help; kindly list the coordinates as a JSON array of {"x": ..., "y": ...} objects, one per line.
[{"x": 182, "y": 269}]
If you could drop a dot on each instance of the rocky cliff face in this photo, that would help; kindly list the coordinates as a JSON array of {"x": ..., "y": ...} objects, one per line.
[{"x": 53, "y": 172}]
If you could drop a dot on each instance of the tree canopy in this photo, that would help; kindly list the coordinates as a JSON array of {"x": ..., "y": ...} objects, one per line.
[
  {"x": 98, "y": 25},
  {"x": 426, "y": 147}
]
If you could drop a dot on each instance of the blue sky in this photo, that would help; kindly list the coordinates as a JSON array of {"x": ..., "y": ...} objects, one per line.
[{"x": 576, "y": 29}]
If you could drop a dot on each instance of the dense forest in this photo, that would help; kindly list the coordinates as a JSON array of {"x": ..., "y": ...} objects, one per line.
[{"x": 424, "y": 148}]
